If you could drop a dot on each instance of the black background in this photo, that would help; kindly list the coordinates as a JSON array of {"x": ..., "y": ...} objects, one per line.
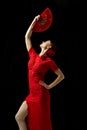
[{"x": 65, "y": 31}]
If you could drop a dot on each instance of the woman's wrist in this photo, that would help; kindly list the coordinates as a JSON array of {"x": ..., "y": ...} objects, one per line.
[
  {"x": 34, "y": 21},
  {"x": 50, "y": 86}
]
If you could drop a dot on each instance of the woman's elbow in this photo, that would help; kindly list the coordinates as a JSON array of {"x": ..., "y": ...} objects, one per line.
[
  {"x": 26, "y": 37},
  {"x": 62, "y": 76}
]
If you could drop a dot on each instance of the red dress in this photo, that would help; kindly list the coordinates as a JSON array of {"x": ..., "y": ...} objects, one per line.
[{"x": 38, "y": 99}]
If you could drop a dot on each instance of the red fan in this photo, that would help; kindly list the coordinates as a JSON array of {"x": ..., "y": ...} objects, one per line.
[{"x": 44, "y": 22}]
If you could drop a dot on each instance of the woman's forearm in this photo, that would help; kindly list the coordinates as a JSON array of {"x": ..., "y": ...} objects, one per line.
[
  {"x": 29, "y": 33},
  {"x": 55, "y": 82},
  {"x": 30, "y": 29}
]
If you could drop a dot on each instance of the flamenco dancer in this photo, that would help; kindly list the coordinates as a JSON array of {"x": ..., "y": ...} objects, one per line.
[{"x": 34, "y": 112}]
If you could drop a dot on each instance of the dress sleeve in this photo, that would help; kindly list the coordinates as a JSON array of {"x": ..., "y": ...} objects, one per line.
[
  {"x": 53, "y": 66},
  {"x": 32, "y": 52}
]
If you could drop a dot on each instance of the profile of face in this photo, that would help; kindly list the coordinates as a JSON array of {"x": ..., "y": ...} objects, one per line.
[{"x": 46, "y": 44}]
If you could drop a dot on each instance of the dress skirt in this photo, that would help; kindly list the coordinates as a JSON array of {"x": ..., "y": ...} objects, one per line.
[{"x": 39, "y": 115}]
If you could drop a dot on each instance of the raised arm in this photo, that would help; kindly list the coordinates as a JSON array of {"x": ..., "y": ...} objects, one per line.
[{"x": 29, "y": 33}]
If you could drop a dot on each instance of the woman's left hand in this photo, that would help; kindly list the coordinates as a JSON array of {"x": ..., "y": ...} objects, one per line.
[{"x": 43, "y": 84}]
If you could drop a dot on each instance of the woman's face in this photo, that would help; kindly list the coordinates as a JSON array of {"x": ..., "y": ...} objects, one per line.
[{"x": 46, "y": 45}]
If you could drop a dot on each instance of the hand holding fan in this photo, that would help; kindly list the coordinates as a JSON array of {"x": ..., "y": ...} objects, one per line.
[{"x": 44, "y": 21}]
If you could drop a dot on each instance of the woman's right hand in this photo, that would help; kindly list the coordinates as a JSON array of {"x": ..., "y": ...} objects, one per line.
[
  {"x": 31, "y": 27},
  {"x": 35, "y": 20}
]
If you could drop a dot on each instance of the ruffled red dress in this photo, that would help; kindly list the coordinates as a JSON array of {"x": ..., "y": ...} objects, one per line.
[{"x": 38, "y": 99}]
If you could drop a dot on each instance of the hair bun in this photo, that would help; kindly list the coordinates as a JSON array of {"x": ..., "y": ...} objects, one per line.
[{"x": 51, "y": 52}]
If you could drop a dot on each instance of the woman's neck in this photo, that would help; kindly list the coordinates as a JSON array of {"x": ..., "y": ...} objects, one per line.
[{"x": 43, "y": 51}]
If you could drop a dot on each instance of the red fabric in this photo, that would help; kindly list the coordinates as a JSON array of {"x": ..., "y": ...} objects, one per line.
[
  {"x": 38, "y": 99},
  {"x": 50, "y": 52},
  {"x": 44, "y": 22}
]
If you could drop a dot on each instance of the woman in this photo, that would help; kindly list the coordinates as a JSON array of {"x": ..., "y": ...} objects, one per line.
[{"x": 34, "y": 113}]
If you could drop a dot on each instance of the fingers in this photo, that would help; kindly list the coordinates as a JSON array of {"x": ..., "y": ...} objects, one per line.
[
  {"x": 37, "y": 17},
  {"x": 41, "y": 82},
  {"x": 34, "y": 21}
]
